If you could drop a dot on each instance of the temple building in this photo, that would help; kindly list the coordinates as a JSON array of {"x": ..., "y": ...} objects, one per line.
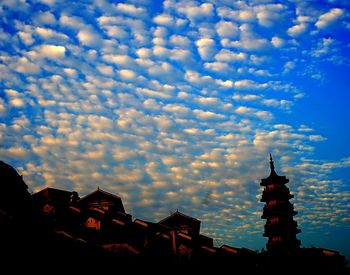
[{"x": 280, "y": 228}]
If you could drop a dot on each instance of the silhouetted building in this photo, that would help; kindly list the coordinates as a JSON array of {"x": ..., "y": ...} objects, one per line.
[
  {"x": 280, "y": 227},
  {"x": 102, "y": 200},
  {"x": 14, "y": 195},
  {"x": 52, "y": 200},
  {"x": 185, "y": 236},
  {"x": 65, "y": 231},
  {"x": 182, "y": 223}
]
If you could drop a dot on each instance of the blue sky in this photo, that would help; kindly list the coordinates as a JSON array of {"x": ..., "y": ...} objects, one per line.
[{"x": 177, "y": 105}]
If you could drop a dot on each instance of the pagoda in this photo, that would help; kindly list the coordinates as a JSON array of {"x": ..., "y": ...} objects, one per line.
[{"x": 280, "y": 227}]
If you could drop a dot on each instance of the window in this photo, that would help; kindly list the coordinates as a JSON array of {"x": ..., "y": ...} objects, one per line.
[
  {"x": 274, "y": 220},
  {"x": 93, "y": 223},
  {"x": 276, "y": 239}
]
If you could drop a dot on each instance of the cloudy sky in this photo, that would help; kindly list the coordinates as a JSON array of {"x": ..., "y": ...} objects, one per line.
[{"x": 177, "y": 105}]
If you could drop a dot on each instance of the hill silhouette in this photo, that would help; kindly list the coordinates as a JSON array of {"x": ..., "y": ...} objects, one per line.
[{"x": 57, "y": 229}]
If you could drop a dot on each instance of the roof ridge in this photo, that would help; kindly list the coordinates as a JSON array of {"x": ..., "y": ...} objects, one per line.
[
  {"x": 99, "y": 190},
  {"x": 181, "y": 214}
]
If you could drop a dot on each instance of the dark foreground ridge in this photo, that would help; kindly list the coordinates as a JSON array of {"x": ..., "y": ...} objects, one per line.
[{"x": 55, "y": 231}]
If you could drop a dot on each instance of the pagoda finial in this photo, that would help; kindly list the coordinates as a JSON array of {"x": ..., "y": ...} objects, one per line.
[{"x": 272, "y": 166}]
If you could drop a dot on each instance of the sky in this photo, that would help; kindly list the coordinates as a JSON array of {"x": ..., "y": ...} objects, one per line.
[{"x": 178, "y": 104}]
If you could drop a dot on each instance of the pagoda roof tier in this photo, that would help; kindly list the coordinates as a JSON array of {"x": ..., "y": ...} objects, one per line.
[
  {"x": 276, "y": 194},
  {"x": 278, "y": 212},
  {"x": 283, "y": 244},
  {"x": 279, "y": 209},
  {"x": 273, "y": 178},
  {"x": 272, "y": 222},
  {"x": 278, "y": 204},
  {"x": 276, "y": 221},
  {"x": 281, "y": 230}
]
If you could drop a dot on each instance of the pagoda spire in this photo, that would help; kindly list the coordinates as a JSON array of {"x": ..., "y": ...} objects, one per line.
[{"x": 272, "y": 166}]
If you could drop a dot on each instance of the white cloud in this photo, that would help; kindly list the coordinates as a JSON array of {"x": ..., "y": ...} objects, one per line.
[
  {"x": 151, "y": 104},
  {"x": 180, "y": 40},
  {"x": 258, "y": 59},
  {"x": 70, "y": 71},
  {"x": 208, "y": 100},
  {"x": 2, "y": 108},
  {"x": 17, "y": 102},
  {"x": 160, "y": 31},
  {"x": 24, "y": 65},
  {"x": 224, "y": 83},
  {"x": 153, "y": 93},
  {"x": 177, "y": 109},
  {"x": 164, "y": 19},
  {"x": 163, "y": 122},
  {"x": 277, "y": 42},
  {"x": 116, "y": 31},
  {"x": 249, "y": 40},
  {"x": 207, "y": 115},
  {"x": 195, "y": 77},
  {"x": 127, "y": 74},
  {"x": 270, "y": 15},
  {"x": 119, "y": 59},
  {"x": 163, "y": 69},
  {"x": 160, "y": 51},
  {"x": 88, "y": 37},
  {"x": 106, "y": 70},
  {"x": 194, "y": 12},
  {"x": 244, "y": 14},
  {"x": 49, "y": 33},
  {"x": 192, "y": 131},
  {"x": 304, "y": 128},
  {"x": 46, "y": 18},
  {"x": 243, "y": 110},
  {"x": 247, "y": 84},
  {"x": 72, "y": 21},
  {"x": 170, "y": 160},
  {"x": 216, "y": 66},
  {"x": 284, "y": 104},
  {"x": 130, "y": 9},
  {"x": 122, "y": 154},
  {"x": 52, "y": 51},
  {"x": 241, "y": 97},
  {"x": 26, "y": 37},
  {"x": 95, "y": 155},
  {"x": 159, "y": 41},
  {"x": 15, "y": 98},
  {"x": 324, "y": 47},
  {"x": 227, "y": 29},
  {"x": 317, "y": 138},
  {"x": 109, "y": 20},
  {"x": 17, "y": 152},
  {"x": 206, "y": 48},
  {"x": 329, "y": 18},
  {"x": 229, "y": 56},
  {"x": 180, "y": 55},
  {"x": 144, "y": 52},
  {"x": 48, "y": 2},
  {"x": 288, "y": 66},
  {"x": 297, "y": 30},
  {"x": 99, "y": 122}
]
